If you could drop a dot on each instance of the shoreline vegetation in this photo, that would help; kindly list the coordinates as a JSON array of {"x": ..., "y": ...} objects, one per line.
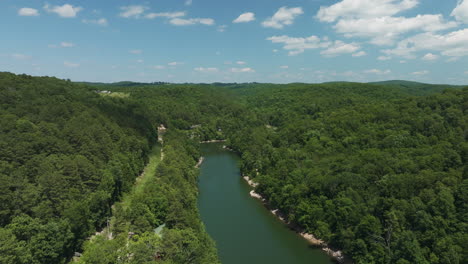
[
  {"x": 213, "y": 141},
  {"x": 335, "y": 254}
]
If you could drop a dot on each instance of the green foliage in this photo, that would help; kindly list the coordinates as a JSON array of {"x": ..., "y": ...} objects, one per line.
[{"x": 368, "y": 168}]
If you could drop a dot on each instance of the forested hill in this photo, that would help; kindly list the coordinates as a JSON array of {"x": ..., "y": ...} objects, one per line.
[
  {"x": 377, "y": 170},
  {"x": 377, "y": 173},
  {"x": 67, "y": 154}
]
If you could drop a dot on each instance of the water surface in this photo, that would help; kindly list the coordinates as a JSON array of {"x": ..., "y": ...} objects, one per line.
[{"x": 244, "y": 230}]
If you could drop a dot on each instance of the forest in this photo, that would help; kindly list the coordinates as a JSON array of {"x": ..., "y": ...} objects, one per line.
[{"x": 378, "y": 170}]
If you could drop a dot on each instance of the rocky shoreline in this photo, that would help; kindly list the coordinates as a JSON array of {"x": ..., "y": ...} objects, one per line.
[
  {"x": 213, "y": 141},
  {"x": 200, "y": 161},
  {"x": 335, "y": 254}
]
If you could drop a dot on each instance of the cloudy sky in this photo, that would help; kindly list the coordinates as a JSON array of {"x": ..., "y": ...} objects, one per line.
[{"x": 237, "y": 41}]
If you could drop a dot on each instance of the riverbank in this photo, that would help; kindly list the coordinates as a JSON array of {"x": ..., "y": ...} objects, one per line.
[
  {"x": 200, "y": 161},
  {"x": 335, "y": 254},
  {"x": 213, "y": 141}
]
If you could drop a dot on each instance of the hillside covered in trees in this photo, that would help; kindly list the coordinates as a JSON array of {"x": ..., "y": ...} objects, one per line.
[{"x": 377, "y": 170}]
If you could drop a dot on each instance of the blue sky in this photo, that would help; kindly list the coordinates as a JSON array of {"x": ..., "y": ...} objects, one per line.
[{"x": 237, "y": 41}]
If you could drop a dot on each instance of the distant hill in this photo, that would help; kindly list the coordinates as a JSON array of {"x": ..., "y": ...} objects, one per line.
[
  {"x": 417, "y": 88},
  {"x": 123, "y": 84}
]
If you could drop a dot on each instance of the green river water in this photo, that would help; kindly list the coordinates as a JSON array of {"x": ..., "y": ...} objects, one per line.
[{"x": 244, "y": 230}]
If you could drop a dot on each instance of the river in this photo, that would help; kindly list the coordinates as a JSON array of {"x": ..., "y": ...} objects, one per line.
[{"x": 244, "y": 230}]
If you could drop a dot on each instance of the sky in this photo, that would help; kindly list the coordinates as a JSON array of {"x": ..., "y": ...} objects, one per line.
[{"x": 274, "y": 41}]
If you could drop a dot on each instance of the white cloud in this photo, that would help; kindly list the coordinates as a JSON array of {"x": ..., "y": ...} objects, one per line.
[
  {"x": 191, "y": 21},
  {"x": 66, "y": 10},
  {"x": 384, "y": 58},
  {"x": 284, "y": 67},
  {"x": 241, "y": 62},
  {"x": 70, "y": 64},
  {"x": 461, "y": 11},
  {"x": 67, "y": 45},
  {"x": 140, "y": 61},
  {"x": 377, "y": 71},
  {"x": 165, "y": 14},
  {"x": 136, "y": 51},
  {"x": 175, "y": 63},
  {"x": 430, "y": 57},
  {"x": 159, "y": 67},
  {"x": 385, "y": 30},
  {"x": 132, "y": 11},
  {"x": 26, "y": 11},
  {"x": 206, "y": 70},
  {"x": 359, "y": 54},
  {"x": 284, "y": 16},
  {"x": 364, "y": 9},
  {"x": 188, "y": 2},
  {"x": 299, "y": 45},
  {"x": 452, "y": 44},
  {"x": 244, "y": 18},
  {"x": 101, "y": 21},
  {"x": 275, "y": 50},
  {"x": 19, "y": 56},
  {"x": 466, "y": 72},
  {"x": 419, "y": 73},
  {"x": 340, "y": 47},
  {"x": 242, "y": 70},
  {"x": 221, "y": 28}
]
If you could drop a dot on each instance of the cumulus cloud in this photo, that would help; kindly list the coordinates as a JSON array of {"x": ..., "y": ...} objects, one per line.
[
  {"x": 244, "y": 18},
  {"x": 419, "y": 73},
  {"x": 452, "y": 44},
  {"x": 159, "y": 67},
  {"x": 26, "y": 11},
  {"x": 165, "y": 14},
  {"x": 340, "y": 47},
  {"x": 377, "y": 71},
  {"x": 132, "y": 11},
  {"x": 385, "y": 30},
  {"x": 188, "y": 2},
  {"x": 100, "y": 22},
  {"x": 206, "y": 70},
  {"x": 67, "y": 45},
  {"x": 364, "y": 9},
  {"x": 66, "y": 10},
  {"x": 191, "y": 21},
  {"x": 430, "y": 57},
  {"x": 283, "y": 17},
  {"x": 284, "y": 67},
  {"x": 175, "y": 63},
  {"x": 135, "y": 51},
  {"x": 359, "y": 54},
  {"x": 299, "y": 45},
  {"x": 384, "y": 58},
  {"x": 70, "y": 64},
  {"x": 242, "y": 70},
  {"x": 241, "y": 62},
  {"x": 461, "y": 11}
]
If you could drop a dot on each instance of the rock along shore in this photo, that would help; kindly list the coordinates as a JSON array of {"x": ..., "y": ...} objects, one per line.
[{"x": 335, "y": 254}]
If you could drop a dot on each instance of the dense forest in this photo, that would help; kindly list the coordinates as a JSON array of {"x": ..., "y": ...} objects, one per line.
[
  {"x": 377, "y": 170},
  {"x": 67, "y": 154}
]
